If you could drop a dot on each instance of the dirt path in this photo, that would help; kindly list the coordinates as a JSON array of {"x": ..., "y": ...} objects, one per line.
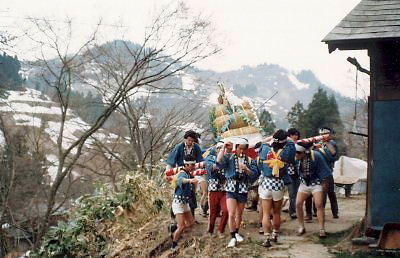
[{"x": 200, "y": 244}]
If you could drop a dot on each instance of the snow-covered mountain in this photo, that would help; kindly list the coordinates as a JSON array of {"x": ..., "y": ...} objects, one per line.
[
  {"x": 259, "y": 83},
  {"x": 38, "y": 118},
  {"x": 286, "y": 87}
]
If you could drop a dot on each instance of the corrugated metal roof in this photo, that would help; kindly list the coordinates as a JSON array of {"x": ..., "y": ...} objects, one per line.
[{"x": 370, "y": 19}]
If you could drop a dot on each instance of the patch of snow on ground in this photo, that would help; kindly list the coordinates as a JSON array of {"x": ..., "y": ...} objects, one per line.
[
  {"x": 213, "y": 98},
  {"x": 299, "y": 85},
  {"x": 190, "y": 126},
  {"x": 92, "y": 69},
  {"x": 52, "y": 168},
  {"x": 27, "y": 120},
  {"x": 52, "y": 130},
  {"x": 188, "y": 82},
  {"x": 270, "y": 103},
  {"x": 141, "y": 93},
  {"x": 25, "y": 108},
  {"x": 28, "y": 95},
  {"x": 2, "y": 139},
  {"x": 144, "y": 120},
  {"x": 113, "y": 136},
  {"x": 257, "y": 102},
  {"x": 70, "y": 128},
  {"x": 105, "y": 137},
  {"x": 92, "y": 82}
]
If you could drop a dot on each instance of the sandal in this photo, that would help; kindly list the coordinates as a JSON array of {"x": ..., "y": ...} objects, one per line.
[
  {"x": 322, "y": 233},
  {"x": 267, "y": 243},
  {"x": 274, "y": 236},
  {"x": 301, "y": 231}
]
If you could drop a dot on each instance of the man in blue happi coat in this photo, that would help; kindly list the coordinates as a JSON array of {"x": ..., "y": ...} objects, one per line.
[{"x": 176, "y": 159}]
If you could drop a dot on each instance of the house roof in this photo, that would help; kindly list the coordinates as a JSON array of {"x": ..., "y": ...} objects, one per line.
[{"x": 369, "y": 20}]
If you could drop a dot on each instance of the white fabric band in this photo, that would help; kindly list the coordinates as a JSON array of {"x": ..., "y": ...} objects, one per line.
[
  {"x": 324, "y": 131},
  {"x": 189, "y": 162},
  {"x": 300, "y": 148}
]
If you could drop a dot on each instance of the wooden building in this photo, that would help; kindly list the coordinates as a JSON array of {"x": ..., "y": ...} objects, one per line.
[{"x": 374, "y": 25}]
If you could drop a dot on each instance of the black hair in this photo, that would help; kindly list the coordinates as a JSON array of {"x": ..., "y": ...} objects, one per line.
[
  {"x": 237, "y": 145},
  {"x": 279, "y": 135},
  {"x": 258, "y": 145},
  {"x": 293, "y": 131},
  {"x": 192, "y": 134}
]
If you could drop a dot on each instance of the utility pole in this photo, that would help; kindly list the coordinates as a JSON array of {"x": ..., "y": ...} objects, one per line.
[{"x": 353, "y": 61}]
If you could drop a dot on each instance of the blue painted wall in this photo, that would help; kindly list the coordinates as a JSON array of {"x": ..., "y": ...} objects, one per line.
[{"x": 385, "y": 184}]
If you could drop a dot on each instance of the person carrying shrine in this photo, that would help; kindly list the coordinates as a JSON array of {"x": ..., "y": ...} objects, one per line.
[
  {"x": 216, "y": 189},
  {"x": 184, "y": 184},
  {"x": 176, "y": 159},
  {"x": 240, "y": 173},
  {"x": 294, "y": 135},
  {"x": 329, "y": 151},
  {"x": 273, "y": 163},
  {"x": 313, "y": 169},
  {"x": 203, "y": 186}
]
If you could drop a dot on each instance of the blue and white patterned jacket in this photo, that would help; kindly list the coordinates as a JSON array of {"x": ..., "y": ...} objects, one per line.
[
  {"x": 287, "y": 155},
  {"x": 267, "y": 180},
  {"x": 175, "y": 158},
  {"x": 235, "y": 180},
  {"x": 319, "y": 168},
  {"x": 216, "y": 178},
  {"x": 184, "y": 191},
  {"x": 328, "y": 155}
]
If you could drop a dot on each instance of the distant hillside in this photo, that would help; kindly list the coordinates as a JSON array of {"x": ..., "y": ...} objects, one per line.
[
  {"x": 259, "y": 83},
  {"x": 262, "y": 81},
  {"x": 33, "y": 115}
]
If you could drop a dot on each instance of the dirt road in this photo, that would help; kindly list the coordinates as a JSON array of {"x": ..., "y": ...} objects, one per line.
[
  {"x": 200, "y": 244},
  {"x": 154, "y": 241}
]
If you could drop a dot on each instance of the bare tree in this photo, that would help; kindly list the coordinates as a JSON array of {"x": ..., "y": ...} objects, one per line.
[
  {"x": 147, "y": 131},
  {"x": 6, "y": 185},
  {"x": 21, "y": 179},
  {"x": 6, "y": 41},
  {"x": 153, "y": 129},
  {"x": 174, "y": 41}
]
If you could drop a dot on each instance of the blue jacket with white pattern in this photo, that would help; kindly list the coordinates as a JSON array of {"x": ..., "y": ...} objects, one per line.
[
  {"x": 287, "y": 155},
  {"x": 184, "y": 191}
]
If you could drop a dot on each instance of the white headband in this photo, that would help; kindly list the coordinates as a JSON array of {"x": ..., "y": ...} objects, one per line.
[
  {"x": 300, "y": 148},
  {"x": 324, "y": 131},
  {"x": 219, "y": 144},
  {"x": 187, "y": 162},
  {"x": 236, "y": 140},
  {"x": 241, "y": 140},
  {"x": 279, "y": 141}
]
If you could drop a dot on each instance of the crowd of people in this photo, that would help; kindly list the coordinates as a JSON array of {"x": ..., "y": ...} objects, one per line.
[{"x": 283, "y": 161}]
